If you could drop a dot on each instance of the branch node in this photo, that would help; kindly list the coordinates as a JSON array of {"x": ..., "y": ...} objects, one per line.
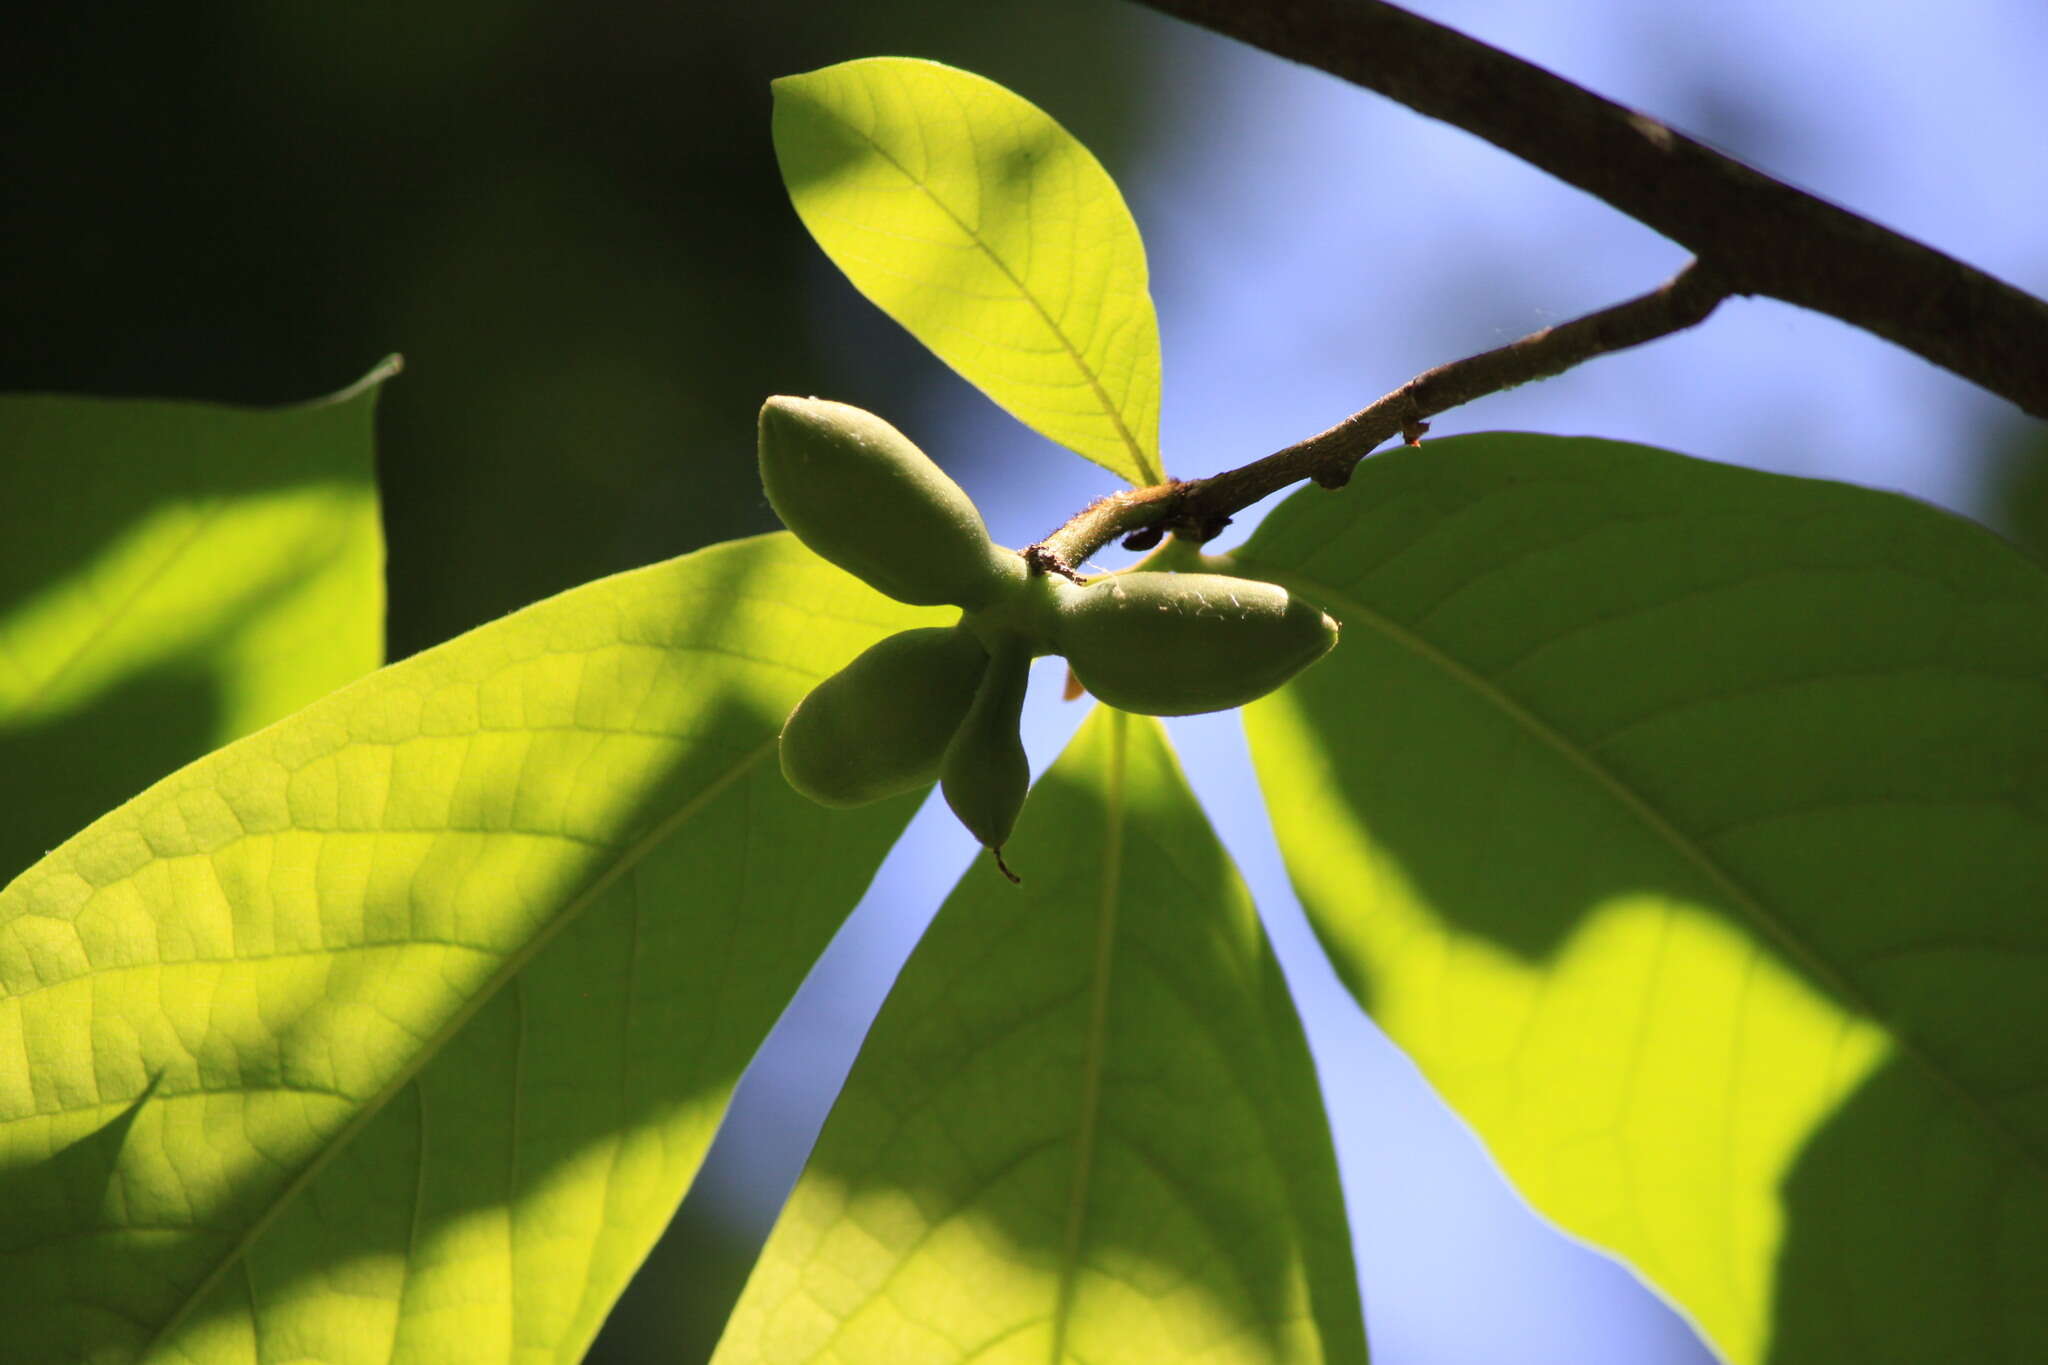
[{"x": 1042, "y": 558}]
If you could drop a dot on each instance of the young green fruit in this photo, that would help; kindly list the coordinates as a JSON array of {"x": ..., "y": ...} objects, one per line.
[
  {"x": 880, "y": 725},
  {"x": 856, "y": 490},
  {"x": 1174, "y": 644},
  {"x": 947, "y": 703},
  {"x": 985, "y": 772}
]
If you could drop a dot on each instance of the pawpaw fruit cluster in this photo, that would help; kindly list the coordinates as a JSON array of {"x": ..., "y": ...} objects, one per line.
[{"x": 944, "y": 703}]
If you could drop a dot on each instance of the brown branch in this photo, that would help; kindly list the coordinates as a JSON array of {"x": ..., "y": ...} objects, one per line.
[
  {"x": 1198, "y": 508},
  {"x": 1759, "y": 234}
]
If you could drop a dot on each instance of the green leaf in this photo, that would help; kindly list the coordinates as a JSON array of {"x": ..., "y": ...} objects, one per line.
[
  {"x": 969, "y": 216},
  {"x": 406, "y": 1021},
  {"x": 172, "y": 576},
  {"x": 1689, "y": 826},
  {"x": 1085, "y": 1126}
]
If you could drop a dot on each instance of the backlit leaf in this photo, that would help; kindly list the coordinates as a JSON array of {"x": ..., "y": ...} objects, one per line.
[
  {"x": 1085, "y": 1126},
  {"x": 969, "y": 216},
  {"x": 396, "y": 1030},
  {"x": 1689, "y": 826},
  {"x": 172, "y": 576}
]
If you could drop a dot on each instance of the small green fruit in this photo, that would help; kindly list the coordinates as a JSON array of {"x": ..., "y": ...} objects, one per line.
[
  {"x": 880, "y": 725},
  {"x": 947, "y": 703},
  {"x": 856, "y": 490},
  {"x": 1174, "y": 644},
  {"x": 985, "y": 773}
]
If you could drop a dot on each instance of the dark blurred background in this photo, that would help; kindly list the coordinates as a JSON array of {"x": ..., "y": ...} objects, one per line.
[{"x": 567, "y": 217}]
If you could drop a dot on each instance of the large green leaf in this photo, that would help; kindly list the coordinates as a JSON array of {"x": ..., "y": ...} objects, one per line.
[
  {"x": 1085, "y": 1126},
  {"x": 172, "y": 576},
  {"x": 981, "y": 225},
  {"x": 1689, "y": 826},
  {"x": 398, "y": 1028}
]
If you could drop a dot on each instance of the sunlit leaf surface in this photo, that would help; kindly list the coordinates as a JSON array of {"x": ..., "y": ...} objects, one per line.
[
  {"x": 172, "y": 576},
  {"x": 1085, "y": 1127},
  {"x": 969, "y": 216},
  {"x": 396, "y": 1030},
  {"x": 1689, "y": 826}
]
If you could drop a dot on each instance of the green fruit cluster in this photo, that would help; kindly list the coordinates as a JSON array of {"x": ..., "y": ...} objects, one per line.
[{"x": 943, "y": 704}]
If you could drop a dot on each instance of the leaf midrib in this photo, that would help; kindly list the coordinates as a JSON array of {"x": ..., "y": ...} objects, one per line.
[
  {"x": 1098, "y": 1037},
  {"x": 514, "y": 963},
  {"x": 1751, "y": 905},
  {"x": 117, "y": 615}
]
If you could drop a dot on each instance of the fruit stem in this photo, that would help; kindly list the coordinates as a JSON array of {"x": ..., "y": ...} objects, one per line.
[{"x": 1004, "y": 867}]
